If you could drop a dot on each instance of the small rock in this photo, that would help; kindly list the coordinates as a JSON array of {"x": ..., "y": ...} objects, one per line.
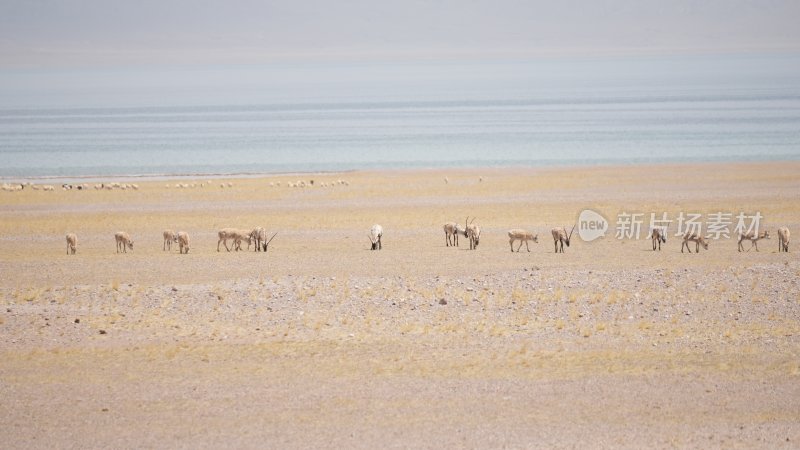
[
  {"x": 77, "y": 321},
  {"x": 102, "y": 331},
  {"x": 174, "y": 289},
  {"x": 442, "y": 302}
]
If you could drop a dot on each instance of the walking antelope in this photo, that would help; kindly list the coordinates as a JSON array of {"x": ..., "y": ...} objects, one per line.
[
  {"x": 375, "y": 234},
  {"x": 697, "y": 239},
  {"x": 236, "y": 235},
  {"x": 751, "y": 236},
  {"x": 521, "y": 236},
  {"x": 783, "y": 239},
  {"x": 560, "y": 236},
  {"x": 473, "y": 233},
  {"x": 659, "y": 236}
]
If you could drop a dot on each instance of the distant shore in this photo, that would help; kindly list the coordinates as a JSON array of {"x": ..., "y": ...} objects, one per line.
[{"x": 99, "y": 178}]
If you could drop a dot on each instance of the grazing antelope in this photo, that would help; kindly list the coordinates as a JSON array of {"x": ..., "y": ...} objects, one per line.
[
  {"x": 452, "y": 229},
  {"x": 265, "y": 245},
  {"x": 783, "y": 239},
  {"x": 751, "y": 236},
  {"x": 697, "y": 239},
  {"x": 375, "y": 234},
  {"x": 560, "y": 236},
  {"x": 521, "y": 236},
  {"x": 659, "y": 236},
  {"x": 258, "y": 236},
  {"x": 183, "y": 242},
  {"x": 124, "y": 241},
  {"x": 72, "y": 243},
  {"x": 169, "y": 238},
  {"x": 472, "y": 232}
]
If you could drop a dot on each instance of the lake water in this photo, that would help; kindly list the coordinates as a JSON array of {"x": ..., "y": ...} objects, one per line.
[{"x": 342, "y": 116}]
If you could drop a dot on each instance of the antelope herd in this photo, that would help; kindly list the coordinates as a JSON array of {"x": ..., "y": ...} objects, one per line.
[{"x": 452, "y": 230}]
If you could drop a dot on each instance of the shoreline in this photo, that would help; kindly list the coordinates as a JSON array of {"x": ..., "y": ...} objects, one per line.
[{"x": 39, "y": 179}]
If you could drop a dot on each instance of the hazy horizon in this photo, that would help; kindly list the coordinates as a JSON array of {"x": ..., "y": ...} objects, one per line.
[
  {"x": 111, "y": 33},
  {"x": 102, "y": 87}
]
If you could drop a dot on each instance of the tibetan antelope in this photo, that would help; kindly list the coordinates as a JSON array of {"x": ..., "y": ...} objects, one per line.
[
  {"x": 124, "y": 241},
  {"x": 72, "y": 243},
  {"x": 783, "y": 239},
  {"x": 697, "y": 239},
  {"x": 257, "y": 236},
  {"x": 521, "y": 236},
  {"x": 183, "y": 242},
  {"x": 751, "y": 236},
  {"x": 375, "y": 234},
  {"x": 452, "y": 229},
  {"x": 560, "y": 236},
  {"x": 659, "y": 236},
  {"x": 472, "y": 232},
  {"x": 234, "y": 234},
  {"x": 169, "y": 238}
]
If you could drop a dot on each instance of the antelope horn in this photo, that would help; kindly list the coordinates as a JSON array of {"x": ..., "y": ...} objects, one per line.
[
  {"x": 473, "y": 220},
  {"x": 270, "y": 239},
  {"x": 570, "y": 232}
]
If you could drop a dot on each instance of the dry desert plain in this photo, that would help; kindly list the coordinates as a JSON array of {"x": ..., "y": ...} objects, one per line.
[{"x": 321, "y": 342}]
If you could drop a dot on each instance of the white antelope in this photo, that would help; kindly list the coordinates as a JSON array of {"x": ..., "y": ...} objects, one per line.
[
  {"x": 521, "y": 236},
  {"x": 257, "y": 236},
  {"x": 753, "y": 238},
  {"x": 658, "y": 236},
  {"x": 233, "y": 234},
  {"x": 375, "y": 234},
  {"x": 72, "y": 243},
  {"x": 239, "y": 236},
  {"x": 783, "y": 239},
  {"x": 124, "y": 241},
  {"x": 697, "y": 239},
  {"x": 452, "y": 230},
  {"x": 183, "y": 242},
  {"x": 561, "y": 237},
  {"x": 472, "y": 232},
  {"x": 169, "y": 238}
]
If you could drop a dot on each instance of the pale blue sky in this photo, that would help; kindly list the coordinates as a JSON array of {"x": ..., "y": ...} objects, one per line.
[{"x": 48, "y": 33}]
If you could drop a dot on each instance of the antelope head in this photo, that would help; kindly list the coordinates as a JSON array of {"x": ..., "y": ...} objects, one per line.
[
  {"x": 569, "y": 236},
  {"x": 266, "y": 244},
  {"x": 373, "y": 242}
]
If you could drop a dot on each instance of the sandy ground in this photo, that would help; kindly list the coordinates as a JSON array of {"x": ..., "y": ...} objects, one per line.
[{"x": 323, "y": 343}]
